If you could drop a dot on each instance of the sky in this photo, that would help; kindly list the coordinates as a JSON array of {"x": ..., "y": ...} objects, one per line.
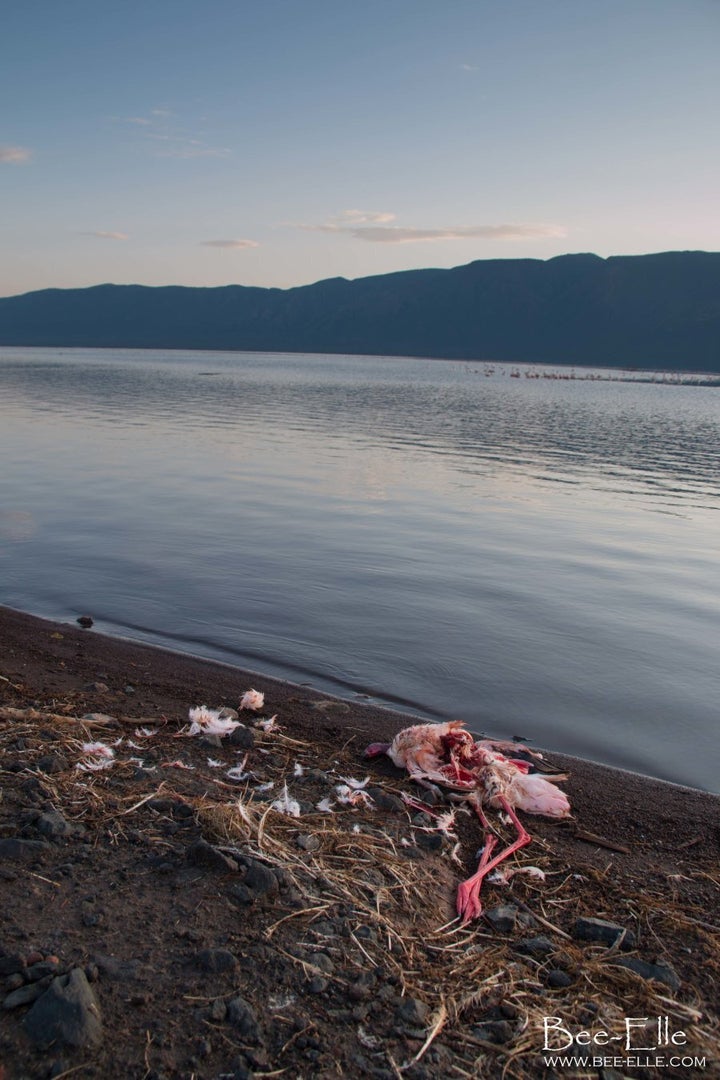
[{"x": 281, "y": 142}]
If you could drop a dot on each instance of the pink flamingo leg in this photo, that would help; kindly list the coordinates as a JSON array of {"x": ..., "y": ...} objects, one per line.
[
  {"x": 468, "y": 900},
  {"x": 468, "y": 894}
]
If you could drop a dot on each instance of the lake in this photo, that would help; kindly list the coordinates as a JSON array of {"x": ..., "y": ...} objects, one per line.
[{"x": 534, "y": 553}]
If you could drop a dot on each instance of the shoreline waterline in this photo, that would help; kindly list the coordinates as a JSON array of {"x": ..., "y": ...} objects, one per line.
[{"x": 380, "y": 719}]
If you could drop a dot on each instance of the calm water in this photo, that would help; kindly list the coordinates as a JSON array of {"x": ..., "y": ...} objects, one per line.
[{"x": 538, "y": 556}]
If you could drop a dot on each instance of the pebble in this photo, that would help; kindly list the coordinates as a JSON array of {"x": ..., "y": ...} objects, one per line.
[
  {"x": 16, "y": 847},
  {"x": 51, "y": 764},
  {"x": 502, "y": 917},
  {"x": 54, "y": 825},
  {"x": 68, "y": 1013},
  {"x": 661, "y": 971},
  {"x": 412, "y": 1011},
  {"x": 535, "y": 946},
  {"x": 558, "y": 979},
  {"x": 85, "y": 621},
  {"x": 242, "y": 1017},
  {"x": 308, "y": 842},
  {"x": 587, "y": 929},
  {"x": 201, "y": 853}
]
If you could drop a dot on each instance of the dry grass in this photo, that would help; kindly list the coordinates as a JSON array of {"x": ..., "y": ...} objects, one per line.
[{"x": 465, "y": 975}]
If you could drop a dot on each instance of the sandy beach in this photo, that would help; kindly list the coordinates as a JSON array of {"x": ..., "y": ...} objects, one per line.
[{"x": 210, "y": 941}]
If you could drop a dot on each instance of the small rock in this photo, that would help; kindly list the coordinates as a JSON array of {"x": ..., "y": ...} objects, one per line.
[
  {"x": 322, "y": 962},
  {"x": 242, "y": 1017},
  {"x": 218, "y": 1011},
  {"x": 54, "y": 825},
  {"x": 128, "y": 689},
  {"x": 317, "y": 984},
  {"x": 97, "y": 688},
  {"x": 242, "y": 738},
  {"x": 52, "y": 763},
  {"x": 118, "y": 970},
  {"x": 24, "y": 995},
  {"x": 308, "y": 842},
  {"x": 215, "y": 960},
  {"x": 67, "y": 1013},
  {"x": 606, "y": 932},
  {"x": 85, "y": 621},
  {"x": 558, "y": 979},
  {"x": 412, "y": 1011},
  {"x": 201, "y": 853},
  {"x": 259, "y": 879},
  {"x": 494, "y": 1031},
  {"x": 385, "y": 801},
  {"x": 535, "y": 946},
  {"x": 502, "y": 917},
  {"x": 15, "y": 847},
  {"x": 12, "y": 982},
  {"x": 42, "y": 968},
  {"x": 431, "y": 841},
  {"x": 661, "y": 971}
]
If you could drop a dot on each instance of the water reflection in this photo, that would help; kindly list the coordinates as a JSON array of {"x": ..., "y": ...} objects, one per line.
[{"x": 529, "y": 554}]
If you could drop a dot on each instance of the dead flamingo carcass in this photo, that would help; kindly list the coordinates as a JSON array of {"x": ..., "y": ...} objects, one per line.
[{"x": 448, "y": 756}]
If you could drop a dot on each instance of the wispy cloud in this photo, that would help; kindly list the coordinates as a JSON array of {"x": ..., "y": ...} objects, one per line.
[
  {"x": 363, "y": 217},
  {"x": 160, "y": 126},
  {"x": 14, "y": 155},
  {"x": 103, "y": 235},
  {"x": 372, "y": 228},
  {"x": 469, "y": 67},
  {"x": 230, "y": 243}
]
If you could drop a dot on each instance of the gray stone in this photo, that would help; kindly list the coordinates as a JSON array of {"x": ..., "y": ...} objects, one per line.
[
  {"x": 412, "y": 1011},
  {"x": 67, "y": 1013},
  {"x": 118, "y": 970},
  {"x": 24, "y": 995},
  {"x": 661, "y": 971},
  {"x": 15, "y": 847},
  {"x": 384, "y": 800},
  {"x": 53, "y": 825},
  {"x": 52, "y": 763},
  {"x": 558, "y": 979},
  {"x": 494, "y": 1031},
  {"x": 535, "y": 946},
  {"x": 502, "y": 917},
  {"x": 242, "y": 738},
  {"x": 242, "y": 1017},
  {"x": 203, "y": 854},
  {"x": 317, "y": 984},
  {"x": 308, "y": 842},
  {"x": 607, "y": 933},
  {"x": 259, "y": 879},
  {"x": 11, "y": 963}
]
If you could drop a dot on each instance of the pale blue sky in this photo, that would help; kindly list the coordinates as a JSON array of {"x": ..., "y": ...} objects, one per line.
[{"x": 284, "y": 141}]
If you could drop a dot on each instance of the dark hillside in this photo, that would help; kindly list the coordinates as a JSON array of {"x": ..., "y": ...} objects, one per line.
[{"x": 647, "y": 311}]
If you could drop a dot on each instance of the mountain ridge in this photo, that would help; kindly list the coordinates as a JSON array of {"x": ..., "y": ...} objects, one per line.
[{"x": 645, "y": 311}]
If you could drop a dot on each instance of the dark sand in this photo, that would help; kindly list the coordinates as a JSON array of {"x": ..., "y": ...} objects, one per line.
[{"x": 339, "y": 957}]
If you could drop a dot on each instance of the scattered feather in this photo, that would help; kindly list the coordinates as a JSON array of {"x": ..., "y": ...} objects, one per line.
[
  {"x": 175, "y": 765},
  {"x": 252, "y": 699},
  {"x": 298, "y": 770},
  {"x": 204, "y": 721},
  {"x": 287, "y": 805},
  {"x": 325, "y": 806},
  {"x": 349, "y": 796},
  {"x": 265, "y": 787},
  {"x": 145, "y": 732},
  {"x": 356, "y": 785},
  {"x": 238, "y": 771},
  {"x": 215, "y": 764},
  {"x": 269, "y": 725}
]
